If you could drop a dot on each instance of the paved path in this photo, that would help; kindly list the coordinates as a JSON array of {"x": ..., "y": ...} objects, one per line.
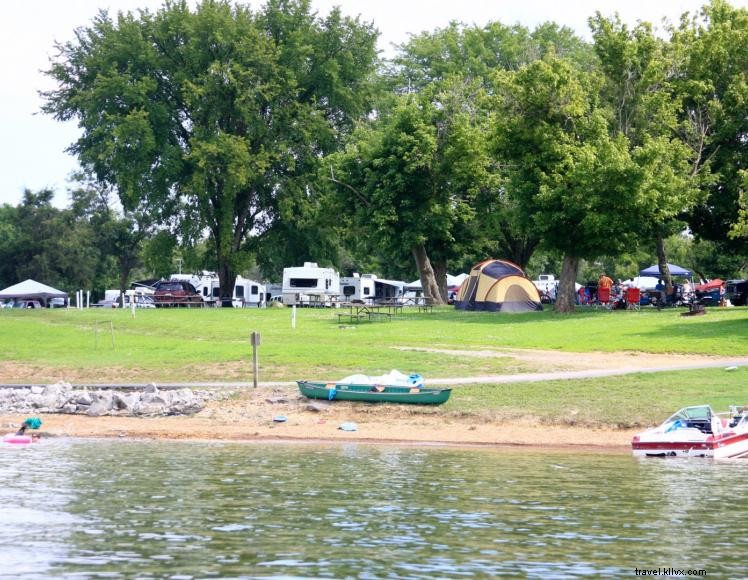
[{"x": 489, "y": 379}]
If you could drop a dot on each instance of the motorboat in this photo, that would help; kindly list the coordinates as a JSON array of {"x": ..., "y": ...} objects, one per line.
[{"x": 697, "y": 432}]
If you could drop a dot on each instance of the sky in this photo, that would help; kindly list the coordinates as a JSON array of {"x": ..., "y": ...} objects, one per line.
[{"x": 32, "y": 147}]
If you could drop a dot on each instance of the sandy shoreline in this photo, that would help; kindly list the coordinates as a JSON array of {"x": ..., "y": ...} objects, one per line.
[{"x": 250, "y": 417}]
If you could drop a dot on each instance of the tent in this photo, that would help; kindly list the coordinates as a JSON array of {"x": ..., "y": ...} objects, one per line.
[
  {"x": 451, "y": 281},
  {"x": 674, "y": 271},
  {"x": 32, "y": 290},
  {"x": 642, "y": 282},
  {"x": 498, "y": 286}
]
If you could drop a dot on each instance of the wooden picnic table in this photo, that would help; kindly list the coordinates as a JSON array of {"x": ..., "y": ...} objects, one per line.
[{"x": 360, "y": 311}]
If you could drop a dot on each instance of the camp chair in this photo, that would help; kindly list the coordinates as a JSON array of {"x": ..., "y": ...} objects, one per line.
[
  {"x": 603, "y": 297},
  {"x": 633, "y": 298}
]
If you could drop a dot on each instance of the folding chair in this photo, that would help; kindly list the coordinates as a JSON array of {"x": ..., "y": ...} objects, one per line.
[
  {"x": 603, "y": 297},
  {"x": 633, "y": 298}
]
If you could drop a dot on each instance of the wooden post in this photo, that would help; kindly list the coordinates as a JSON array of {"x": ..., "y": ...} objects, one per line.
[{"x": 255, "y": 340}]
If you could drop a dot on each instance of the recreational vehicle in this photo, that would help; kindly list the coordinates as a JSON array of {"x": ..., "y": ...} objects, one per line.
[
  {"x": 246, "y": 292},
  {"x": 357, "y": 288},
  {"x": 370, "y": 288},
  {"x": 310, "y": 285}
]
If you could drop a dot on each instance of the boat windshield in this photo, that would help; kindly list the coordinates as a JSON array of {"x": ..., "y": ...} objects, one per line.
[{"x": 700, "y": 413}]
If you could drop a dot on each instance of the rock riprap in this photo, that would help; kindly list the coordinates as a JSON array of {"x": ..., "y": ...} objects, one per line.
[{"x": 64, "y": 398}]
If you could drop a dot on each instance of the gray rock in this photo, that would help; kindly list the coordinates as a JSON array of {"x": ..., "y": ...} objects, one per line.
[
  {"x": 276, "y": 400},
  {"x": 37, "y": 390},
  {"x": 99, "y": 408},
  {"x": 83, "y": 398},
  {"x": 125, "y": 402}
]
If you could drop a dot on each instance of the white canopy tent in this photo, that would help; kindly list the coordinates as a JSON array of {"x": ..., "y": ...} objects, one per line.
[
  {"x": 451, "y": 281},
  {"x": 32, "y": 290}
]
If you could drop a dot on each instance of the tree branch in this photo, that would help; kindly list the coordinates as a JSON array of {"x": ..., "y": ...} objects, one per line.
[{"x": 358, "y": 194}]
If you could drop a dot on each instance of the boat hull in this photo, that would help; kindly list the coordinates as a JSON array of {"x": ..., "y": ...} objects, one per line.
[
  {"x": 729, "y": 446},
  {"x": 371, "y": 394}
]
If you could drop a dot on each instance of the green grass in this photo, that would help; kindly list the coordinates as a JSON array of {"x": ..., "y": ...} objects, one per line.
[
  {"x": 620, "y": 401},
  {"x": 213, "y": 345}
]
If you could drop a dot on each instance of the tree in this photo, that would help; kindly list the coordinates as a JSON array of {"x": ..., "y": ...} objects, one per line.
[
  {"x": 576, "y": 185},
  {"x": 471, "y": 55},
  {"x": 208, "y": 119},
  {"x": 409, "y": 180},
  {"x": 710, "y": 54},
  {"x": 639, "y": 89}
]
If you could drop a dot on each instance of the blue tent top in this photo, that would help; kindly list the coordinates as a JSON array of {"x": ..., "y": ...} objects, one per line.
[{"x": 674, "y": 271}]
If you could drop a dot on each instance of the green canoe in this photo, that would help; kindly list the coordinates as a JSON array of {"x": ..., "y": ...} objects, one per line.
[{"x": 373, "y": 394}]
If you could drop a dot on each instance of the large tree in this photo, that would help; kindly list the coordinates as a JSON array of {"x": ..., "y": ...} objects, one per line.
[
  {"x": 640, "y": 90},
  {"x": 410, "y": 179},
  {"x": 472, "y": 54},
  {"x": 207, "y": 118},
  {"x": 577, "y": 185},
  {"x": 710, "y": 54}
]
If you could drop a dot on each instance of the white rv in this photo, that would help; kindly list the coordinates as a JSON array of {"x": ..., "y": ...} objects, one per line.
[
  {"x": 246, "y": 292},
  {"x": 370, "y": 288},
  {"x": 310, "y": 285},
  {"x": 357, "y": 288}
]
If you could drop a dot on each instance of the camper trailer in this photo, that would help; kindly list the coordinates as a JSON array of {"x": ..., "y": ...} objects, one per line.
[
  {"x": 247, "y": 293},
  {"x": 369, "y": 288},
  {"x": 310, "y": 285},
  {"x": 357, "y": 288}
]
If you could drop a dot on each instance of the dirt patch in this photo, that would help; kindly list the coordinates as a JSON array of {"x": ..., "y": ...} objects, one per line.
[{"x": 553, "y": 360}]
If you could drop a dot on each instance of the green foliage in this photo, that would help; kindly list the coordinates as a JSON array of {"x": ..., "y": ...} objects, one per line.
[
  {"x": 209, "y": 119},
  {"x": 711, "y": 55},
  {"x": 576, "y": 186}
]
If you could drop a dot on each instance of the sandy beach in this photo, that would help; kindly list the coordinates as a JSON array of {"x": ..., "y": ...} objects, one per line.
[{"x": 250, "y": 416}]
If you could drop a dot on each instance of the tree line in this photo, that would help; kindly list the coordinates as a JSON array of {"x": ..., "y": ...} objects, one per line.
[{"x": 267, "y": 137}]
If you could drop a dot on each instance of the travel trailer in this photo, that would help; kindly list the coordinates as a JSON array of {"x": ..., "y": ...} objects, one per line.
[
  {"x": 310, "y": 285},
  {"x": 357, "y": 288},
  {"x": 247, "y": 293},
  {"x": 370, "y": 288}
]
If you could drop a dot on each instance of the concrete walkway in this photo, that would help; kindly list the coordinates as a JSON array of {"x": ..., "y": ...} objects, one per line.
[{"x": 489, "y": 379}]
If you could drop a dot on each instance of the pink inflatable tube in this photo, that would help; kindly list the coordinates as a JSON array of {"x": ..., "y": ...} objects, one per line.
[{"x": 18, "y": 439}]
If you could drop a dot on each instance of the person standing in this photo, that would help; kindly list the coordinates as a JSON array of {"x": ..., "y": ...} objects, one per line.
[{"x": 604, "y": 282}]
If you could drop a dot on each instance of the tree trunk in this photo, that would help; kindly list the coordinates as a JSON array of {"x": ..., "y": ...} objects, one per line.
[
  {"x": 426, "y": 273},
  {"x": 567, "y": 294},
  {"x": 440, "y": 274},
  {"x": 226, "y": 281},
  {"x": 662, "y": 264}
]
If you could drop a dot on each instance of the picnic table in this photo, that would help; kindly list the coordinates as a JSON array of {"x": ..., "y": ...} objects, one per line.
[{"x": 360, "y": 311}]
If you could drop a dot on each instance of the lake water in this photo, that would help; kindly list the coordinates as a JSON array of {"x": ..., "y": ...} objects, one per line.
[{"x": 128, "y": 509}]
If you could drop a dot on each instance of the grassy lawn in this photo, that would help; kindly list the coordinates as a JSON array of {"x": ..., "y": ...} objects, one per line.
[{"x": 213, "y": 344}]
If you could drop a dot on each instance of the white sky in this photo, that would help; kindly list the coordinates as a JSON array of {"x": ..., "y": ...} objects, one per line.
[{"x": 32, "y": 145}]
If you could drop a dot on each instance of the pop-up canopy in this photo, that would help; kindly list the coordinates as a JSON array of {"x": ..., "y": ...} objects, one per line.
[
  {"x": 674, "y": 271},
  {"x": 32, "y": 290}
]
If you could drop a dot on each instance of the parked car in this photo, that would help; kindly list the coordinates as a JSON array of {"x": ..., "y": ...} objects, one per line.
[
  {"x": 56, "y": 303},
  {"x": 176, "y": 293},
  {"x": 27, "y": 304},
  {"x": 105, "y": 304}
]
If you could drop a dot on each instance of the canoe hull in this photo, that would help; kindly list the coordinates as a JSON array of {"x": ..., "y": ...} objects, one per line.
[{"x": 367, "y": 393}]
